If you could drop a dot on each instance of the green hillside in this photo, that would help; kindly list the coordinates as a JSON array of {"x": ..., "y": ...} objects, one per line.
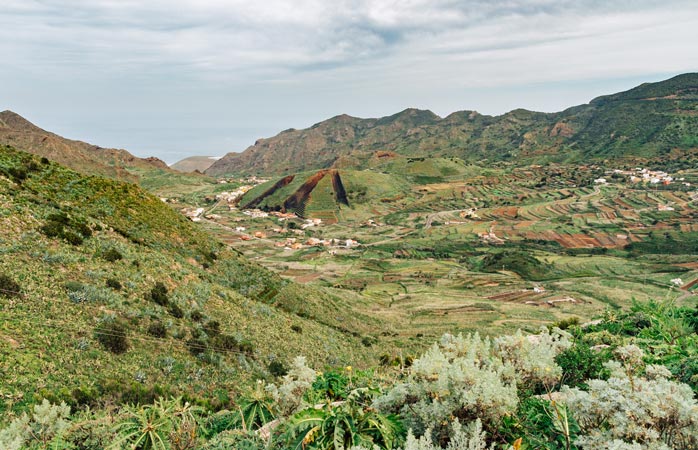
[
  {"x": 368, "y": 192},
  {"x": 109, "y": 295},
  {"x": 648, "y": 122}
]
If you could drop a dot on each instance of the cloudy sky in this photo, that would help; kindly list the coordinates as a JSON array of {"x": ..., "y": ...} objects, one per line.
[{"x": 173, "y": 78}]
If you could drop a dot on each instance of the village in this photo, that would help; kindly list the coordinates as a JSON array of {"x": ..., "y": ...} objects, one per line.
[{"x": 642, "y": 175}]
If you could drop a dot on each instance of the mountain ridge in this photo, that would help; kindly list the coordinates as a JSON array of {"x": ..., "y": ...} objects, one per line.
[
  {"x": 611, "y": 126},
  {"x": 22, "y": 134}
]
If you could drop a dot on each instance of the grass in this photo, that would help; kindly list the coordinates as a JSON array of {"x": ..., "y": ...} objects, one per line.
[
  {"x": 422, "y": 270},
  {"x": 49, "y": 333}
]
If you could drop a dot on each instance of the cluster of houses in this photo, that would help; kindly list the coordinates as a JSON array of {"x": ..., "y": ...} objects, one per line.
[
  {"x": 643, "y": 175},
  {"x": 295, "y": 244},
  {"x": 490, "y": 237},
  {"x": 234, "y": 196},
  {"x": 249, "y": 180}
]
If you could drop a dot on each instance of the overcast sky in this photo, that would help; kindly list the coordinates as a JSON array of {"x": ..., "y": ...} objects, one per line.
[{"x": 173, "y": 78}]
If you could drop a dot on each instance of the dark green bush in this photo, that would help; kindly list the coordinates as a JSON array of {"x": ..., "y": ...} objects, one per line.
[
  {"x": 61, "y": 226},
  {"x": 368, "y": 341},
  {"x": 157, "y": 329},
  {"x": 297, "y": 328},
  {"x": 72, "y": 238},
  {"x": 277, "y": 368},
  {"x": 52, "y": 229},
  {"x": 196, "y": 316},
  {"x": 246, "y": 346},
  {"x": 17, "y": 174},
  {"x": 225, "y": 342},
  {"x": 580, "y": 363},
  {"x": 175, "y": 311},
  {"x": 566, "y": 323},
  {"x": 158, "y": 294},
  {"x": 212, "y": 328},
  {"x": 83, "y": 229},
  {"x": 8, "y": 287},
  {"x": 114, "y": 284},
  {"x": 112, "y": 255},
  {"x": 111, "y": 334}
]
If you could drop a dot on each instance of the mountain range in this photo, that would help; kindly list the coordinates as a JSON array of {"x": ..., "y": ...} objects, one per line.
[{"x": 653, "y": 121}]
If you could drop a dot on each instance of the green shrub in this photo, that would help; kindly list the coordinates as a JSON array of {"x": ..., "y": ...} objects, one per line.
[
  {"x": 331, "y": 385},
  {"x": 196, "y": 316},
  {"x": 158, "y": 294},
  {"x": 297, "y": 329},
  {"x": 277, "y": 368},
  {"x": 225, "y": 342},
  {"x": 52, "y": 229},
  {"x": 157, "y": 329},
  {"x": 368, "y": 341},
  {"x": 175, "y": 311},
  {"x": 59, "y": 225},
  {"x": 246, "y": 346},
  {"x": 114, "y": 284},
  {"x": 72, "y": 238},
  {"x": 212, "y": 328},
  {"x": 112, "y": 334},
  {"x": 580, "y": 363},
  {"x": 112, "y": 255},
  {"x": 8, "y": 287}
]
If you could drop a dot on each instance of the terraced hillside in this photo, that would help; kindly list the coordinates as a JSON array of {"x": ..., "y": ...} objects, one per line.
[
  {"x": 438, "y": 244},
  {"x": 655, "y": 122}
]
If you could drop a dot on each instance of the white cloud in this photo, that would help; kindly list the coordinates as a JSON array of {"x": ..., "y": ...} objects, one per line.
[
  {"x": 222, "y": 39},
  {"x": 333, "y": 56}
]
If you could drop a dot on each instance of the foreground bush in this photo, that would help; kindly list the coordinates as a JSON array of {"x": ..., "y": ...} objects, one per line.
[
  {"x": 469, "y": 378},
  {"x": 46, "y": 425},
  {"x": 629, "y": 408}
]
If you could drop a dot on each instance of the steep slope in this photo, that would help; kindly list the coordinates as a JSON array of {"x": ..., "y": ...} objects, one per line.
[
  {"x": 81, "y": 156},
  {"x": 107, "y": 294},
  {"x": 649, "y": 121},
  {"x": 329, "y": 194}
]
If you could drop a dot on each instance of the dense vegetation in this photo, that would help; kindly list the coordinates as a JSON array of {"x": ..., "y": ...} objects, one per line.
[
  {"x": 618, "y": 382},
  {"x": 124, "y": 325},
  {"x": 108, "y": 295}
]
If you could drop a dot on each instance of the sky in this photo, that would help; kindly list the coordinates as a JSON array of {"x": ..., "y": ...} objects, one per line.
[{"x": 175, "y": 78}]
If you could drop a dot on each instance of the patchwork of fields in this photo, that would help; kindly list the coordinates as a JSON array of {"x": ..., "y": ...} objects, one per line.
[{"x": 491, "y": 250}]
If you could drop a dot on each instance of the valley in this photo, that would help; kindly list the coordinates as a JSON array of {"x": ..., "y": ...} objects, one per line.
[
  {"x": 481, "y": 249},
  {"x": 392, "y": 274}
]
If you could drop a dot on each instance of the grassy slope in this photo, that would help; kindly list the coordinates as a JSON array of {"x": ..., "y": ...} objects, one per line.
[{"x": 47, "y": 332}]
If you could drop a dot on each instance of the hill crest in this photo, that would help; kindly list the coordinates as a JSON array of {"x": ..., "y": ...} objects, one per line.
[
  {"x": 615, "y": 126},
  {"x": 22, "y": 134}
]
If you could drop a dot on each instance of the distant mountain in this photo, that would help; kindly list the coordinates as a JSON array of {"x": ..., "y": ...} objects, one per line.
[
  {"x": 650, "y": 121},
  {"x": 18, "y": 132},
  {"x": 193, "y": 163}
]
